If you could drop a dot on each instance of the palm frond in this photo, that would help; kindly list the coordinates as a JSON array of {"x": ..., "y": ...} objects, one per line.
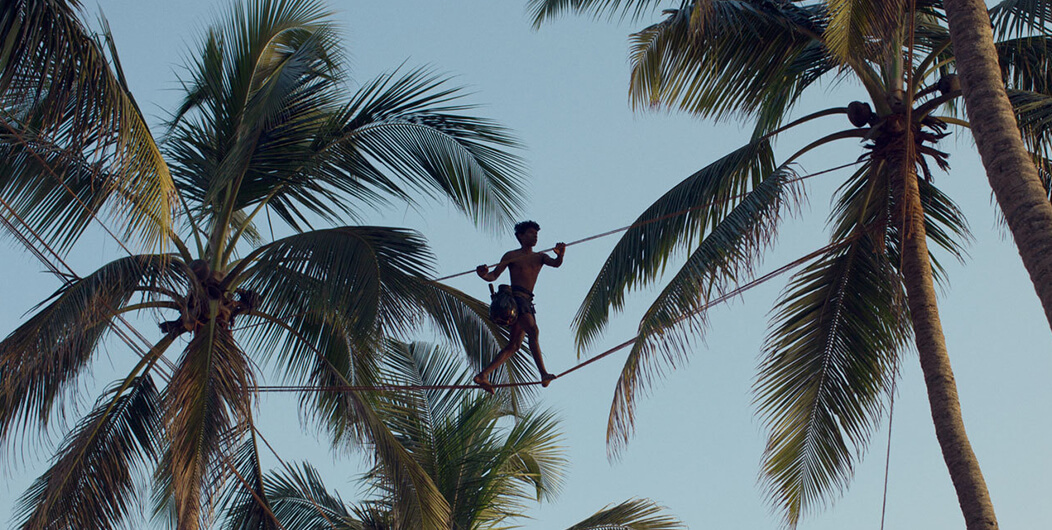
[
  {"x": 725, "y": 257},
  {"x": 1033, "y": 111},
  {"x": 865, "y": 204},
  {"x": 301, "y": 502},
  {"x": 93, "y": 478},
  {"x": 485, "y": 472},
  {"x": 945, "y": 226},
  {"x": 542, "y": 11},
  {"x": 677, "y": 219},
  {"x": 246, "y": 503},
  {"x": 1025, "y": 63},
  {"x": 41, "y": 360},
  {"x": 365, "y": 280},
  {"x": 1019, "y": 18},
  {"x": 533, "y": 455},
  {"x": 464, "y": 321},
  {"x": 409, "y": 132},
  {"x": 728, "y": 58},
  {"x": 363, "y": 419},
  {"x": 414, "y": 494},
  {"x": 208, "y": 404},
  {"x": 828, "y": 362},
  {"x": 633, "y": 514},
  {"x": 61, "y": 100},
  {"x": 259, "y": 89},
  {"x": 428, "y": 365},
  {"x": 855, "y": 25}
]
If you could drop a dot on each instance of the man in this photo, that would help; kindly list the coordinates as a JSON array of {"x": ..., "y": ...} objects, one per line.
[{"x": 524, "y": 265}]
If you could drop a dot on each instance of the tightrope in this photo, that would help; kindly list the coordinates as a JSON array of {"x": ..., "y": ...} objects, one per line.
[
  {"x": 656, "y": 219},
  {"x": 723, "y": 298}
]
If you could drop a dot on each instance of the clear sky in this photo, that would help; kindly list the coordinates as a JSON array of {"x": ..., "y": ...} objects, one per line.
[{"x": 595, "y": 165}]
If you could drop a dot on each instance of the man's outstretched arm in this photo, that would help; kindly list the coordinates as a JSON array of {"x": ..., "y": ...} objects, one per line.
[
  {"x": 488, "y": 275},
  {"x": 560, "y": 250}
]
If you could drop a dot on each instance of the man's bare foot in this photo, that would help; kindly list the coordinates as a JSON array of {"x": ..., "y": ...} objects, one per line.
[
  {"x": 546, "y": 379},
  {"x": 482, "y": 381}
]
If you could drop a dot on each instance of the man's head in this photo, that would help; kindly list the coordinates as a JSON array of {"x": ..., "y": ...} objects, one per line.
[{"x": 526, "y": 232}]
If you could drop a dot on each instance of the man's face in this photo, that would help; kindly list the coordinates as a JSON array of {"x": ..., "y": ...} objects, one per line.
[{"x": 529, "y": 237}]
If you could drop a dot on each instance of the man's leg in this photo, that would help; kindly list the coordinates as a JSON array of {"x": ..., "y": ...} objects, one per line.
[
  {"x": 514, "y": 343},
  {"x": 534, "y": 333}
]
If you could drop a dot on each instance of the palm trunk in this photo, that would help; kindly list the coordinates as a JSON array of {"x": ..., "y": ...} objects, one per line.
[
  {"x": 964, "y": 469},
  {"x": 1009, "y": 168}
]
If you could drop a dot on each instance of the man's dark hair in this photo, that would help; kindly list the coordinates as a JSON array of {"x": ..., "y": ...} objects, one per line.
[{"x": 522, "y": 227}]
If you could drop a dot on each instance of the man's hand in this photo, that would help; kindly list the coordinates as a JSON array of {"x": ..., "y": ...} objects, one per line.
[
  {"x": 560, "y": 249},
  {"x": 482, "y": 271}
]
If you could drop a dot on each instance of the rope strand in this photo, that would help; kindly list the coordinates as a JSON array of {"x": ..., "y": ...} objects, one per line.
[
  {"x": 656, "y": 219},
  {"x": 721, "y": 299}
]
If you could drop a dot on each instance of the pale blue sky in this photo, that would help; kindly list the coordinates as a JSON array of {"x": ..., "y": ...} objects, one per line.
[{"x": 594, "y": 165}]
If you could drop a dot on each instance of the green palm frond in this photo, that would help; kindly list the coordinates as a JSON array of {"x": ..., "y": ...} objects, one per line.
[
  {"x": 1018, "y": 18},
  {"x": 864, "y": 204},
  {"x": 301, "y": 502},
  {"x": 542, "y": 11},
  {"x": 42, "y": 359},
  {"x": 258, "y": 91},
  {"x": 855, "y": 25},
  {"x": 424, "y": 364},
  {"x": 246, "y": 501},
  {"x": 364, "y": 419},
  {"x": 360, "y": 284},
  {"x": 724, "y": 258},
  {"x": 945, "y": 226},
  {"x": 1025, "y": 63},
  {"x": 503, "y": 469},
  {"x": 413, "y": 492},
  {"x": 828, "y": 363},
  {"x": 695, "y": 64},
  {"x": 408, "y": 132},
  {"x": 633, "y": 514},
  {"x": 675, "y": 221},
  {"x": 533, "y": 455},
  {"x": 363, "y": 279},
  {"x": 465, "y": 323},
  {"x": 60, "y": 100},
  {"x": 485, "y": 471},
  {"x": 1033, "y": 111},
  {"x": 208, "y": 403},
  {"x": 102, "y": 460}
]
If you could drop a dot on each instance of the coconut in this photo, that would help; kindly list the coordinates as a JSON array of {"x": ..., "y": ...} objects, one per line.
[
  {"x": 949, "y": 83},
  {"x": 859, "y": 113}
]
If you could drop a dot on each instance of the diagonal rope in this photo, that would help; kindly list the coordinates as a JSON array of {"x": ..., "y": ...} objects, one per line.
[
  {"x": 50, "y": 263},
  {"x": 724, "y": 298},
  {"x": 615, "y": 231},
  {"x": 656, "y": 219},
  {"x": 887, "y": 455}
]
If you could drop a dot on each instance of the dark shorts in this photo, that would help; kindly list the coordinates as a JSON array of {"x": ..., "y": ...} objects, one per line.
[{"x": 524, "y": 299}]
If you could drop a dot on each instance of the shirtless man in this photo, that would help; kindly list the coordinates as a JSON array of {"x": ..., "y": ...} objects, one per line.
[{"x": 524, "y": 265}]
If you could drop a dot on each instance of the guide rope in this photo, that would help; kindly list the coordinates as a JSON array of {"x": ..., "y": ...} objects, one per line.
[
  {"x": 723, "y": 298},
  {"x": 657, "y": 219}
]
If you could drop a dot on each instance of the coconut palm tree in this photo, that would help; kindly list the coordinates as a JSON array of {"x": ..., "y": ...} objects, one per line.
[
  {"x": 1020, "y": 190},
  {"x": 841, "y": 326},
  {"x": 266, "y": 130},
  {"x": 487, "y": 460},
  {"x": 72, "y": 138}
]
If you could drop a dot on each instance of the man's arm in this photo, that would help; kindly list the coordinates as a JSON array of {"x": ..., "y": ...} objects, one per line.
[
  {"x": 488, "y": 275},
  {"x": 560, "y": 250}
]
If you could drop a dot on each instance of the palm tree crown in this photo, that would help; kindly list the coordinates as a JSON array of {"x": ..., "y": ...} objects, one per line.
[
  {"x": 265, "y": 130},
  {"x": 838, "y": 332},
  {"x": 487, "y": 460}
]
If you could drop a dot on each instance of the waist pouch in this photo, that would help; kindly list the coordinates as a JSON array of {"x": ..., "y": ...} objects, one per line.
[{"x": 503, "y": 310}]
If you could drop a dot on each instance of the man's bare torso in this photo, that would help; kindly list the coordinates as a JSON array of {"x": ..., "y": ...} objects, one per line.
[{"x": 524, "y": 266}]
